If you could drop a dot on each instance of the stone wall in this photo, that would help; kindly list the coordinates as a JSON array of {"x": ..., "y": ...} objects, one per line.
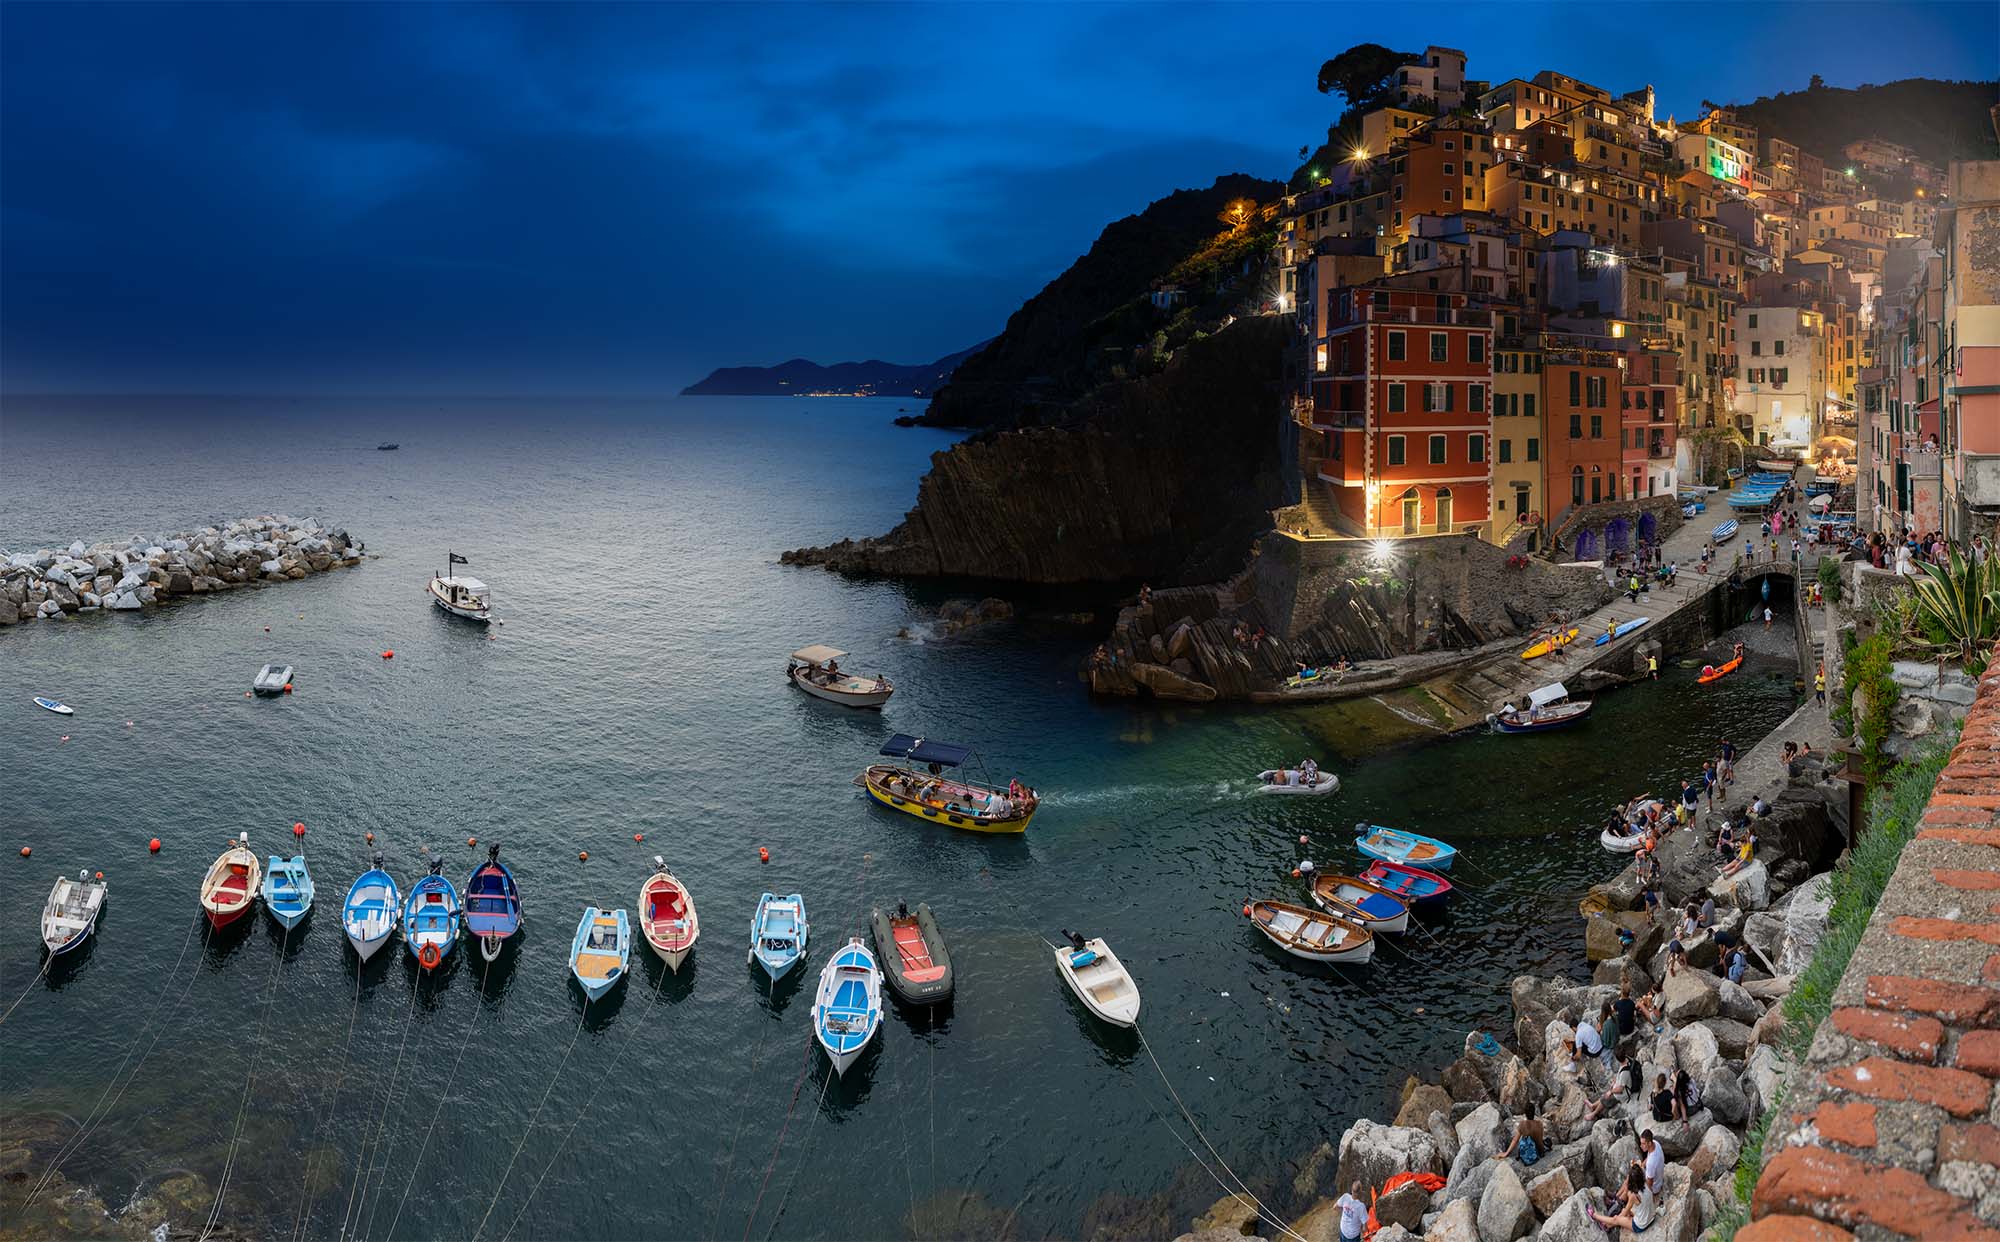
[
  {"x": 1584, "y": 528},
  {"x": 138, "y": 573},
  {"x": 1892, "y": 1126}
]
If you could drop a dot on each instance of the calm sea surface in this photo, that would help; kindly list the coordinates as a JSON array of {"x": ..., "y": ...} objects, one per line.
[{"x": 636, "y": 687}]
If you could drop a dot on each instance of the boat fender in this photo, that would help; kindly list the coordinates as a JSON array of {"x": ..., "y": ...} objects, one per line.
[
  {"x": 100, "y": 875},
  {"x": 1302, "y": 839},
  {"x": 763, "y": 855},
  {"x": 429, "y": 956},
  {"x": 1306, "y": 865},
  {"x": 298, "y": 830},
  {"x": 153, "y": 846},
  {"x": 288, "y": 687},
  {"x": 1295, "y": 873},
  {"x": 1362, "y": 829}
]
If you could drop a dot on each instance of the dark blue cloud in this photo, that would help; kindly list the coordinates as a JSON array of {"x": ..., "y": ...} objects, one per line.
[{"x": 615, "y": 198}]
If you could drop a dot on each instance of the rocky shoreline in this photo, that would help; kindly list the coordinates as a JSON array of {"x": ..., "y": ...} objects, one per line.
[
  {"x": 1723, "y": 1034},
  {"x": 138, "y": 573}
]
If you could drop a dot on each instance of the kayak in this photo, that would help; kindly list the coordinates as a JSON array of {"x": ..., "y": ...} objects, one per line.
[
  {"x": 1624, "y": 628},
  {"x": 1720, "y": 671},
  {"x": 1554, "y": 643},
  {"x": 57, "y": 706}
]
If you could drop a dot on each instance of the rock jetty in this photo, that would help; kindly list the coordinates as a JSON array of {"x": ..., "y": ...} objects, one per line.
[{"x": 138, "y": 573}]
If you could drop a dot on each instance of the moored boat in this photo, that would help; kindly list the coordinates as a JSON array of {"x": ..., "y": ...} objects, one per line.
[
  {"x": 913, "y": 954},
  {"x": 372, "y": 908},
  {"x": 461, "y": 597},
  {"x": 778, "y": 933},
  {"x": 601, "y": 953},
  {"x": 1553, "y": 643},
  {"x": 816, "y": 670},
  {"x": 1360, "y": 902},
  {"x": 1414, "y": 885},
  {"x": 847, "y": 1008},
  {"x": 431, "y": 918},
  {"x": 1409, "y": 848},
  {"x": 287, "y": 889},
  {"x": 667, "y": 915},
  {"x": 929, "y": 795},
  {"x": 1549, "y": 707},
  {"x": 492, "y": 905},
  {"x": 1094, "y": 974},
  {"x": 70, "y": 914},
  {"x": 230, "y": 887},
  {"x": 272, "y": 679},
  {"x": 1313, "y": 935}
]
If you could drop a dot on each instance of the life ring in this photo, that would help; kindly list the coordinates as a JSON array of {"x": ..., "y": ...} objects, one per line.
[
  {"x": 429, "y": 956},
  {"x": 1531, "y": 519}
]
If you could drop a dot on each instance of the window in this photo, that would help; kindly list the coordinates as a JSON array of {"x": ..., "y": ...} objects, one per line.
[
  {"x": 1475, "y": 447},
  {"x": 1395, "y": 346},
  {"x": 1447, "y": 196},
  {"x": 1756, "y": 349},
  {"x": 1597, "y": 426},
  {"x": 1781, "y": 375},
  {"x": 1576, "y": 426},
  {"x": 1475, "y": 348},
  {"x": 1450, "y": 169},
  {"x": 1438, "y": 396},
  {"x": 1506, "y": 448},
  {"x": 1778, "y": 347},
  {"x": 1527, "y": 405},
  {"x": 1396, "y": 405},
  {"x": 1437, "y": 450},
  {"x": 1395, "y": 450},
  {"x": 1475, "y": 398},
  {"x": 1576, "y": 485},
  {"x": 1534, "y": 449},
  {"x": 1755, "y": 375},
  {"x": 1753, "y": 320},
  {"x": 1597, "y": 392},
  {"x": 1440, "y": 347},
  {"x": 1576, "y": 388}
]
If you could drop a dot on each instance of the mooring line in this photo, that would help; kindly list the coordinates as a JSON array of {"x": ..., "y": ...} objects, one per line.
[
  {"x": 249, "y": 1084},
  {"x": 464, "y": 1042},
  {"x": 301, "y": 1219},
  {"x": 536, "y": 1116},
  {"x": 47, "y": 961},
  {"x": 370, "y": 1146}
]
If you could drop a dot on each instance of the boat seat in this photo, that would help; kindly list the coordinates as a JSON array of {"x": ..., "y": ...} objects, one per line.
[{"x": 597, "y": 966}]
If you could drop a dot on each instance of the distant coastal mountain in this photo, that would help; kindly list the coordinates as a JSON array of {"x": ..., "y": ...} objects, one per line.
[
  {"x": 1940, "y": 121},
  {"x": 800, "y": 378}
]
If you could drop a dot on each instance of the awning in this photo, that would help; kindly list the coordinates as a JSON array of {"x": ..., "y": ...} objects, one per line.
[
  {"x": 1841, "y": 440},
  {"x": 473, "y": 585},
  {"x": 923, "y": 750},
  {"x": 1547, "y": 695},
  {"x": 817, "y": 654}
]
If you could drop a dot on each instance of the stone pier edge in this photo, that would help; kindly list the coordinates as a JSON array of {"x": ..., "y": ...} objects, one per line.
[{"x": 1889, "y": 1126}]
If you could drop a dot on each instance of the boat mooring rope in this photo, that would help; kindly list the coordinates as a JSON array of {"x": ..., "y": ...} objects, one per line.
[
  {"x": 464, "y": 1041},
  {"x": 631, "y": 1037},
  {"x": 812, "y": 1128},
  {"x": 1262, "y": 1208},
  {"x": 371, "y": 1146},
  {"x": 101, "y": 1110},
  {"x": 792, "y": 1108},
  {"x": 742, "y": 1119},
  {"x": 301, "y": 1219},
  {"x": 249, "y": 1083},
  {"x": 46, "y": 963},
  {"x": 533, "y": 1118}
]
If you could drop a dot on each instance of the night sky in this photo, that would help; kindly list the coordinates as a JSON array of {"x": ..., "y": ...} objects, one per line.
[{"x": 614, "y": 198}]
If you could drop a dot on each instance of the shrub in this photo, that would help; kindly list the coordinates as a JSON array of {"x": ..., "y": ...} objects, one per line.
[
  {"x": 1829, "y": 578},
  {"x": 1867, "y": 668},
  {"x": 1958, "y": 606}
]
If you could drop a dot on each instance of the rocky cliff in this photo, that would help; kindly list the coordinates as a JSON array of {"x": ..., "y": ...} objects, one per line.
[{"x": 1166, "y": 479}]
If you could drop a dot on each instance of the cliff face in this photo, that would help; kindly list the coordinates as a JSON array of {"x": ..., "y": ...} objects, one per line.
[
  {"x": 1166, "y": 479},
  {"x": 1054, "y": 348}
]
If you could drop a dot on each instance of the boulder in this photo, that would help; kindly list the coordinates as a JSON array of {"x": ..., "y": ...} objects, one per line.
[
  {"x": 1461, "y": 1079},
  {"x": 63, "y": 598},
  {"x": 1421, "y": 1102},
  {"x": 1458, "y": 1223},
  {"x": 1519, "y": 1088},
  {"x": 1504, "y": 1210},
  {"x": 1235, "y": 1215},
  {"x": 1680, "y": 1138},
  {"x": 1690, "y": 996},
  {"x": 1405, "y": 1205},
  {"x": 1762, "y": 1073},
  {"x": 1679, "y": 1216},
  {"x": 76, "y": 549},
  {"x": 123, "y": 601},
  {"x": 1165, "y": 683},
  {"x": 1371, "y": 1152},
  {"x": 1721, "y": 1095},
  {"x": 1571, "y": 1222},
  {"x": 1566, "y": 1115},
  {"x": 1715, "y": 1154},
  {"x": 1306, "y": 1182},
  {"x": 1601, "y": 940},
  {"x": 1611, "y": 1153},
  {"x": 1534, "y": 1008},
  {"x": 1548, "y": 1191},
  {"x": 1735, "y": 1004},
  {"x": 1395, "y": 1233},
  {"x": 180, "y": 582},
  {"x": 1696, "y": 1051},
  {"x": 1732, "y": 1039},
  {"x": 1770, "y": 1027},
  {"x": 1748, "y": 889},
  {"x": 1480, "y": 1134}
]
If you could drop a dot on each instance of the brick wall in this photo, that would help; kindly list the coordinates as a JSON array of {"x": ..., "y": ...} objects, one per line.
[{"x": 1892, "y": 1127}]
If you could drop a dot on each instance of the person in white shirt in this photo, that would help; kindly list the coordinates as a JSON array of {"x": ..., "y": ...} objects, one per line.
[
  {"x": 1656, "y": 1162},
  {"x": 1353, "y": 1214},
  {"x": 1633, "y": 1203}
]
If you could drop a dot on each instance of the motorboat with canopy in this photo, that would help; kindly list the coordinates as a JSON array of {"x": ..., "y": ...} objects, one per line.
[
  {"x": 1549, "y": 707},
  {"x": 461, "y": 597},
  {"x": 816, "y": 670},
  {"x": 929, "y": 794}
]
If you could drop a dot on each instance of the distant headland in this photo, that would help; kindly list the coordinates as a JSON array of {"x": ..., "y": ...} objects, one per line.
[{"x": 800, "y": 378}]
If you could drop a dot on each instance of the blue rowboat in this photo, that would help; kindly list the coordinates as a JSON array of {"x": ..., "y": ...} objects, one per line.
[
  {"x": 1624, "y": 628},
  {"x": 1411, "y": 848},
  {"x": 492, "y": 904},
  {"x": 288, "y": 889},
  {"x": 601, "y": 953},
  {"x": 1724, "y": 530},
  {"x": 370, "y": 912},
  {"x": 431, "y": 918},
  {"x": 1412, "y": 884},
  {"x": 778, "y": 932},
  {"x": 847, "y": 1009},
  {"x": 1360, "y": 902}
]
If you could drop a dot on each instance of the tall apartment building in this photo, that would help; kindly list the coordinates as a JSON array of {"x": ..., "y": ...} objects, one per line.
[
  {"x": 1968, "y": 236},
  {"x": 1782, "y": 361}
]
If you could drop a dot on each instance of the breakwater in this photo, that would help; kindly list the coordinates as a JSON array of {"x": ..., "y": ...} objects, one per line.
[{"x": 137, "y": 573}]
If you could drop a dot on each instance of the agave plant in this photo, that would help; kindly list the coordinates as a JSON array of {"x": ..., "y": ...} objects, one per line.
[{"x": 1960, "y": 599}]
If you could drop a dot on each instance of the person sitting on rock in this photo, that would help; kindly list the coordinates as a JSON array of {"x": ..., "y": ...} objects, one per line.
[
  {"x": 1744, "y": 853},
  {"x": 1631, "y": 1208},
  {"x": 1687, "y": 1097},
  {"x": 1663, "y": 1099},
  {"x": 1735, "y": 964},
  {"x": 1626, "y": 1083},
  {"x": 1531, "y": 1138},
  {"x": 1654, "y": 1010}
]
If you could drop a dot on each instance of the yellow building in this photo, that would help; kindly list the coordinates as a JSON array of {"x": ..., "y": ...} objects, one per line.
[{"x": 1518, "y": 487}]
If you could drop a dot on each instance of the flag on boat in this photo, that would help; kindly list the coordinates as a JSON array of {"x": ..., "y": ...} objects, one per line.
[{"x": 456, "y": 559}]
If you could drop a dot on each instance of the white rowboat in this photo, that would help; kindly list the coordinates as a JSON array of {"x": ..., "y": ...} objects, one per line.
[
  {"x": 71, "y": 912},
  {"x": 1100, "y": 981}
]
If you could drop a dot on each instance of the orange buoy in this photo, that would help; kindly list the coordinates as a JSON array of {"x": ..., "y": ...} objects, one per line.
[
  {"x": 25, "y": 851},
  {"x": 472, "y": 840},
  {"x": 371, "y": 838},
  {"x": 288, "y": 687},
  {"x": 298, "y": 830},
  {"x": 100, "y": 875},
  {"x": 153, "y": 846},
  {"x": 1246, "y": 910},
  {"x": 763, "y": 855},
  {"x": 583, "y": 855},
  {"x": 638, "y": 836},
  {"x": 1302, "y": 839},
  {"x": 388, "y": 655},
  {"x": 1295, "y": 873}
]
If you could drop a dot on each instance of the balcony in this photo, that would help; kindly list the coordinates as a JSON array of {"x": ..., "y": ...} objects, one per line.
[
  {"x": 1339, "y": 420},
  {"x": 1463, "y": 316},
  {"x": 1660, "y": 448}
]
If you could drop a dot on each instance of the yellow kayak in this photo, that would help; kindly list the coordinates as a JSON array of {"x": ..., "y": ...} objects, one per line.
[{"x": 1544, "y": 647}]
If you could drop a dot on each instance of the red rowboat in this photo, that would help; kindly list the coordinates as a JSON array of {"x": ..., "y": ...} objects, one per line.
[
  {"x": 230, "y": 887},
  {"x": 666, "y": 913},
  {"x": 1412, "y": 884}
]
